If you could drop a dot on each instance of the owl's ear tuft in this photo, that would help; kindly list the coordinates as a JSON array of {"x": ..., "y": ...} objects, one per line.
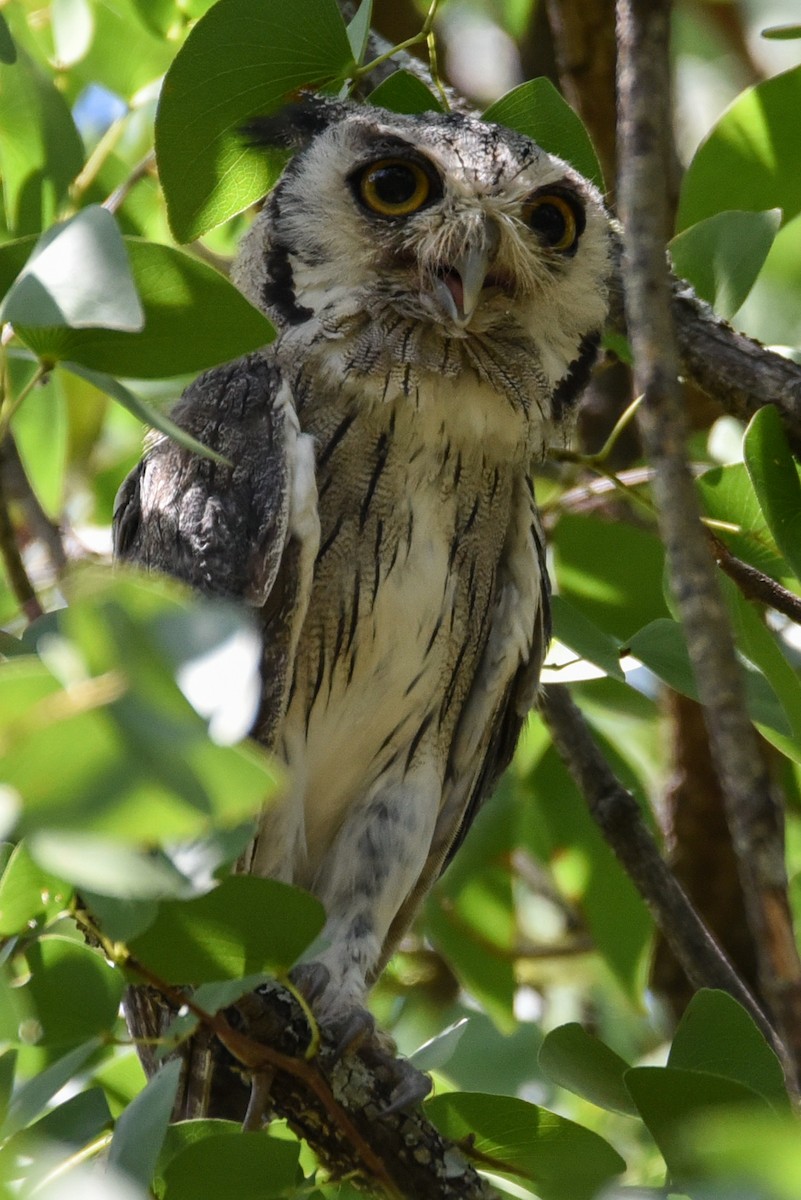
[{"x": 294, "y": 126}]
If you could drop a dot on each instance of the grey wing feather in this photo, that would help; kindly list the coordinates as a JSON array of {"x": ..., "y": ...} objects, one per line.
[
  {"x": 225, "y": 529},
  {"x": 220, "y": 528}
]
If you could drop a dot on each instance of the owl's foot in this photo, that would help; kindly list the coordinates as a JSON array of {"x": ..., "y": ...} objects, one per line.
[{"x": 349, "y": 1028}]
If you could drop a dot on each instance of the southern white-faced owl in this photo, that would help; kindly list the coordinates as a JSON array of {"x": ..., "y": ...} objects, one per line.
[{"x": 439, "y": 286}]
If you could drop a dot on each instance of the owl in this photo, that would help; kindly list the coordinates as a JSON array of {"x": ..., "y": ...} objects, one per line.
[{"x": 438, "y": 285}]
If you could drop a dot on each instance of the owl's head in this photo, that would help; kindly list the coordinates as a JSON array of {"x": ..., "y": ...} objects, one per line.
[{"x": 443, "y": 219}]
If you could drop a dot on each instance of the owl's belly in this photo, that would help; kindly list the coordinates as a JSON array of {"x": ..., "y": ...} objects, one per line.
[{"x": 387, "y": 655}]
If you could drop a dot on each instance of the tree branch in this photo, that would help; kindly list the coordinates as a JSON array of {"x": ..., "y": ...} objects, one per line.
[
  {"x": 619, "y": 818},
  {"x": 752, "y": 809}
]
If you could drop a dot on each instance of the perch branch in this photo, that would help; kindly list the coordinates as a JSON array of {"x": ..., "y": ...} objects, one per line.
[{"x": 752, "y": 809}]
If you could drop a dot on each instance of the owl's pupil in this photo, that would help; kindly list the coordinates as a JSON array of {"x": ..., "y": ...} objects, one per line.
[
  {"x": 394, "y": 185},
  {"x": 549, "y": 222}
]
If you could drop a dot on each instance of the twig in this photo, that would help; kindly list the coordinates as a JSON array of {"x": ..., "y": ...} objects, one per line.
[
  {"x": 18, "y": 488},
  {"x": 620, "y": 820},
  {"x": 753, "y": 812},
  {"x": 754, "y": 584}
]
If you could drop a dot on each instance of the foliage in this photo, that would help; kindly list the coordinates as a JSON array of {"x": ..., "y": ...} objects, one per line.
[{"x": 128, "y": 787}]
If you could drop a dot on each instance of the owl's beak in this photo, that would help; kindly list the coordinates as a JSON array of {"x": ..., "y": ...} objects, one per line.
[{"x": 459, "y": 285}]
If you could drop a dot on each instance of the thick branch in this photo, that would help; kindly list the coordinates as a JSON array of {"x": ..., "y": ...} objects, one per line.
[{"x": 753, "y": 812}]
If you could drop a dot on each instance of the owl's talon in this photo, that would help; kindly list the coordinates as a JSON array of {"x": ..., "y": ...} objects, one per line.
[
  {"x": 410, "y": 1091},
  {"x": 352, "y": 1031}
]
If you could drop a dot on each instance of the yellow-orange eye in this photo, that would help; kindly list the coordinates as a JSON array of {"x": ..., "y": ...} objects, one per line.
[
  {"x": 393, "y": 187},
  {"x": 557, "y": 221}
]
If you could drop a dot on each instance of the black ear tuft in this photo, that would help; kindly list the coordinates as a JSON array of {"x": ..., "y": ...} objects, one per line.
[{"x": 294, "y": 126}]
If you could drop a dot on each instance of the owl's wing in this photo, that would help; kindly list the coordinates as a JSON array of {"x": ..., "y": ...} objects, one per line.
[
  {"x": 228, "y": 529},
  {"x": 503, "y": 693}
]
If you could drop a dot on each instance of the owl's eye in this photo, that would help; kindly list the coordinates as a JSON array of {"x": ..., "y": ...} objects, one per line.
[
  {"x": 393, "y": 187},
  {"x": 556, "y": 219}
]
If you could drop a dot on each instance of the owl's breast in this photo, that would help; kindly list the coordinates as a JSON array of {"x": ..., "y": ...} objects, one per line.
[{"x": 412, "y": 532}]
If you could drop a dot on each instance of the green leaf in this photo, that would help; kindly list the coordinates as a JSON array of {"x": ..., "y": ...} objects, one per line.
[
  {"x": 585, "y": 1065},
  {"x": 781, "y": 33},
  {"x": 359, "y": 29},
  {"x": 582, "y": 635},
  {"x": 145, "y": 412},
  {"x": 72, "y": 1124},
  {"x": 717, "y": 1035},
  {"x": 29, "y": 896},
  {"x": 124, "y": 56},
  {"x": 611, "y": 571},
  {"x": 8, "y": 1068},
  {"x": 122, "y": 919},
  {"x": 754, "y": 147},
  {"x": 41, "y": 432},
  {"x": 109, "y": 867},
  {"x": 71, "y": 994},
  {"x": 73, "y": 29},
  {"x": 536, "y": 109},
  {"x": 77, "y": 275},
  {"x": 238, "y": 62},
  {"x": 250, "y": 1166},
  {"x": 8, "y": 51},
  {"x": 727, "y": 495},
  {"x": 30, "y": 1099},
  {"x": 403, "y": 92},
  {"x": 669, "y": 1099},
  {"x": 565, "y": 837},
  {"x": 774, "y": 475},
  {"x": 41, "y": 151},
  {"x": 561, "y": 1160},
  {"x": 194, "y": 318},
  {"x": 141, "y": 1128},
  {"x": 661, "y": 647},
  {"x": 243, "y": 927},
  {"x": 722, "y": 255},
  {"x": 756, "y": 1154}
]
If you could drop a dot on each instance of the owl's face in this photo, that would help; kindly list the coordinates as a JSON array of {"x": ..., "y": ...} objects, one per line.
[{"x": 446, "y": 220}]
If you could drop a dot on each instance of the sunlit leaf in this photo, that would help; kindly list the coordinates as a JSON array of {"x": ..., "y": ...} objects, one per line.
[
  {"x": 722, "y": 255},
  {"x": 587, "y": 639},
  {"x": 536, "y": 109},
  {"x": 243, "y": 927},
  {"x": 359, "y": 29},
  {"x": 244, "y": 61},
  {"x": 754, "y": 149},
  {"x": 33, "y": 1096},
  {"x": 562, "y": 1160},
  {"x": 194, "y": 318},
  {"x": 775, "y": 478},
  {"x": 40, "y": 151},
  {"x": 29, "y": 896},
  {"x": 73, "y": 28}
]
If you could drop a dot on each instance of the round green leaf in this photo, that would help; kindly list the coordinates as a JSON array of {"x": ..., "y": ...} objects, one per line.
[
  {"x": 717, "y": 1035},
  {"x": 77, "y": 275},
  {"x": 536, "y": 109},
  {"x": 250, "y": 1166},
  {"x": 774, "y": 474},
  {"x": 561, "y": 1160},
  {"x": 722, "y": 255},
  {"x": 243, "y": 927},
  {"x": 8, "y": 51},
  {"x": 72, "y": 993},
  {"x": 403, "y": 92},
  {"x": 669, "y": 1100},
  {"x": 240, "y": 60},
  {"x": 585, "y": 1065},
  {"x": 194, "y": 318},
  {"x": 755, "y": 148},
  {"x": 41, "y": 151},
  {"x": 29, "y": 896}
]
